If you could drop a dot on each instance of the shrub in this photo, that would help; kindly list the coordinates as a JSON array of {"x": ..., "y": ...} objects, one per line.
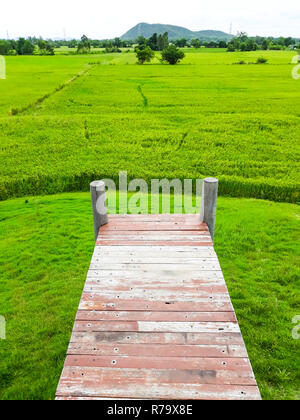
[
  {"x": 261, "y": 60},
  {"x": 231, "y": 48}
]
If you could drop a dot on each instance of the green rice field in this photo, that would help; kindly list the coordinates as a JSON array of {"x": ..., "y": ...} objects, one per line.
[{"x": 66, "y": 120}]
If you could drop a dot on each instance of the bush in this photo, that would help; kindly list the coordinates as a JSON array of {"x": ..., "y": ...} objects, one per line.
[
  {"x": 231, "y": 48},
  {"x": 172, "y": 55},
  {"x": 275, "y": 47},
  {"x": 261, "y": 60}
]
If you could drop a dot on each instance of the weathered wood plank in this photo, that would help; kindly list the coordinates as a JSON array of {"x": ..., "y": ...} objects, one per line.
[
  {"x": 94, "y": 287},
  {"x": 115, "y": 284},
  {"x": 150, "y": 243},
  {"x": 155, "y": 350},
  {"x": 154, "y": 226},
  {"x": 208, "y": 266},
  {"x": 203, "y": 262},
  {"x": 201, "y": 305},
  {"x": 151, "y": 384},
  {"x": 148, "y": 326},
  {"x": 144, "y": 233},
  {"x": 156, "y": 316},
  {"x": 153, "y": 238},
  {"x": 156, "y": 250},
  {"x": 219, "y": 338},
  {"x": 168, "y": 296},
  {"x": 132, "y": 218},
  {"x": 163, "y": 362},
  {"x": 163, "y": 276}
]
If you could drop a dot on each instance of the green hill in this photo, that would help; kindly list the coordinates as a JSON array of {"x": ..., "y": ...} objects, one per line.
[{"x": 175, "y": 32}]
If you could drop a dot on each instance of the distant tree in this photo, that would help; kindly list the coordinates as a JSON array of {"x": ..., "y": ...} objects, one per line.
[
  {"x": 165, "y": 40},
  {"x": 212, "y": 44},
  {"x": 73, "y": 43},
  {"x": 141, "y": 41},
  {"x": 242, "y": 36},
  {"x": 144, "y": 55},
  {"x": 181, "y": 43},
  {"x": 196, "y": 43},
  {"x": 222, "y": 44},
  {"x": 236, "y": 42},
  {"x": 160, "y": 43},
  {"x": 45, "y": 47},
  {"x": 153, "y": 42},
  {"x": 231, "y": 47},
  {"x": 117, "y": 42},
  {"x": 172, "y": 55},
  {"x": 289, "y": 41},
  {"x": 265, "y": 44},
  {"x": 5, "y": 47},
  {"x": 24, "y": 47},
  {"x": 84, "y": 46},
  {"x": 249, "y": 45}
]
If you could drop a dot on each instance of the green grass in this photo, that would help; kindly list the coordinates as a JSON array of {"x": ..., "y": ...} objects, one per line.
[
  {"x": 239, "y": 123},
  {"x": 46, "y": 245}
]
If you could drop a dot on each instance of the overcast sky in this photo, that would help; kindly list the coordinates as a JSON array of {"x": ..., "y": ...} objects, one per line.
[{"x": 108, "y": 19}]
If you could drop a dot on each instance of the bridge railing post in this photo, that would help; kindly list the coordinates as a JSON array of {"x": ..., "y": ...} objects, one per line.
[
  {"x": 209, "y": 203},
  {"x": 99, "y": 205}
]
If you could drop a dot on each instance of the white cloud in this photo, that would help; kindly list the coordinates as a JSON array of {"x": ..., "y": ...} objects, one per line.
[{"x": 109, "y": 19}]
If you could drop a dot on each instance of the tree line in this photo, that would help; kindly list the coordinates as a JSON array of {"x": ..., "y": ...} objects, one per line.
[
  {"x": 157, "y": 42},
  {"x": 240, "y": 42},
  {"x": 244, "y": 43},
  {"x": 27, "y": 46}
]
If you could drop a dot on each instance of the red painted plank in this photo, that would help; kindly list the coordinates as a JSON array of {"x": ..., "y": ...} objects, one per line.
[
  {"x": 160, "y": 233},
  {"x": 155, "y": 226},
  {"x": 220, "y": 339},
  {"x": 156, "y": 350},
  {"x": 146, "y": 305},
  {"x": 156, "y": 316},
  {"x": 151, "y": 243},
  {"x": 155, "y": 384},
  {"x": 98, "y": 287},
  {"x": 144, "y": 326},
  {"x": 155, "y": 217},
  {"x": 162, "y": 362}
]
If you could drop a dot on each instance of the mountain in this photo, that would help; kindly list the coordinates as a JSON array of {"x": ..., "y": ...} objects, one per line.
[{"x": 175, "y": 32}]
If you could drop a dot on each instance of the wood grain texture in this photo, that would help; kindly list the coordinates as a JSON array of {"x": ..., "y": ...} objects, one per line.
[{"x": 155, "y": 320}]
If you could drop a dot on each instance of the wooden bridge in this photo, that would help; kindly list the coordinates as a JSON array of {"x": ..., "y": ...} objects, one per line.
[{"x": 155, "y": 320}]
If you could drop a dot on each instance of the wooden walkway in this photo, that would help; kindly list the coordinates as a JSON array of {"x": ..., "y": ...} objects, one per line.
[{"x": 155, "y": 319}]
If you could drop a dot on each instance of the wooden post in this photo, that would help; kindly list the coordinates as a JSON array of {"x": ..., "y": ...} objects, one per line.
[
  {"x": 99, "y": 205},
  {"x": 209, "y": 203}
]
